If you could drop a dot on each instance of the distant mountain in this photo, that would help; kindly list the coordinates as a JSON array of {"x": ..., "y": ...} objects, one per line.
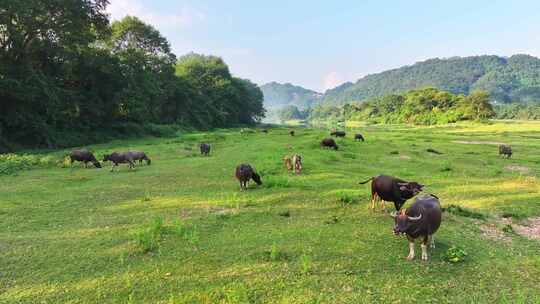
[
  {"x": 277, "y": 95},
  {"x": 507, "y": 79}
]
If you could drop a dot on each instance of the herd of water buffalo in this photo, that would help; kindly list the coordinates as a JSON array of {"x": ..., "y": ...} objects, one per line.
[{"x": 420, "y": 221}]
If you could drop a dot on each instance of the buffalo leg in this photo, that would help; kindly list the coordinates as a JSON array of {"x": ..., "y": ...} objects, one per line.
[
  {"x": 411, "y": 248},
  {"x": 424, "y": 248},
  {"x": 373, "y": 197},
  {"x": 432, "y": 241},
  {"x": 382, "y": 204}
]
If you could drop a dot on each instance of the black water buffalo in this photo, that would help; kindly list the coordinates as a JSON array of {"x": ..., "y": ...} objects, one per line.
[
  {"x": 84, "y": 156},
  {"x": 392, "y": 189},
  {"x": 421, "y": 220},
  {"x": 244, "y": 173},
  {"x": 338, "y": 133},
  {"x": 119, "y": 158},
  {"x": 264, "y": 131},
  {"x": 358, "y": 137},
  {"x": 140, "y": 156},
  {"x": 505, "y": 150},
  {"x": 291, "y": 133},
  {"x": 205, "y": 149},
  {"x": 329, "y": 143}
]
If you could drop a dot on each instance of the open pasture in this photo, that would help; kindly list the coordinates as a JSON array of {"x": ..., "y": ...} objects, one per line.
[{"x": 180, "y": 231}]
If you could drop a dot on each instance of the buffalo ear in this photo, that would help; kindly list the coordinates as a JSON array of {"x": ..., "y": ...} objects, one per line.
[{"x": 402, "y": 188}]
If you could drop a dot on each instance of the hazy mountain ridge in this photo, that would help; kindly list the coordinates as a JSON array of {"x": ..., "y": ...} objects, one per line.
[{"x": 277, "y": 95}]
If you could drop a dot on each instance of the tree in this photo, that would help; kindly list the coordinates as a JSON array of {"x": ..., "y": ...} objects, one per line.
[{"x": 477, "y": 106}]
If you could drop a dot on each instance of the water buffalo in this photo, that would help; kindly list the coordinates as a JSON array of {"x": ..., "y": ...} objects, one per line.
[
  {"x": 297, "y": 161},
  {"x": 140, "y": 156},
  {"x": 205, "y": 149},
  {"x": 329, "y": 143},
  {"x": 505, "y": 150},
  {"x": 358, "y": 137},
  {"x": 421, "y": 220},
  {"x": 264, "y": 131},
  {"x": 84, "y": 156},
  {"x": 392, "y": 189},
  {"x": 338, "y": 133},
  {"x": 244, "y": 173},
  {"x": 293, "y": 163},
  {"x": 287, "y": 161},
  {"x": 291, "y": 133},
  {"x": 119, "y": 158}
]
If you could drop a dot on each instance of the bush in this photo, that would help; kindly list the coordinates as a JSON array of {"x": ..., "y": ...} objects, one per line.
[
  {"x": 12, "y": 163},
  {"x": 148, "y": 238},
  {"x": 454, "y": 254}
]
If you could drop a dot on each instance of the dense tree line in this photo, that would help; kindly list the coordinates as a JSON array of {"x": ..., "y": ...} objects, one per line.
[
  {"x": 506, "y": 79},
  {"x": 518, "y": 111},
  {"x": 424, "y": 107},
  {"x": 65, "y": 70}
]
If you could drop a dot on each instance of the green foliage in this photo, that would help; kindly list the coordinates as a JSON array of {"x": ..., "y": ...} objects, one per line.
[
  {"x": 506, "y": 79},
  {"x": 455, "y": 254},
  {"x": 13, "y": 163},
  {"x": 427, "y": 106},
  {"x": 291, "y": 113},
  {"x": 148, "y": 238},
  {"x": 65, "y": 71}
]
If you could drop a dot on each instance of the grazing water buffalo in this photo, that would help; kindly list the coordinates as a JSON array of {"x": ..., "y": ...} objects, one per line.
[
  {"x": 358, "y": 137},
  {"x": 297, "y": 161},
  {"x": 338, "y": 134},
  {"x": 244, "y": 173},
  {"x": 421, "y": 220},
  {"x": 84, "y": 156},
  {"x": 205, "y": 149},
  {"x": 291, "y": 133},
  {"x": 264, "y": 131},
  {"x": 505, "y": 150},
  {"x": 392, "y": 189},
  {"x": 287, "y": 161},
  {"x": 293, "y": 163},
  {"x": 329, "y": 143},
  {"x": 119, "y": 158},
  {"x": 140, "y": 156}
]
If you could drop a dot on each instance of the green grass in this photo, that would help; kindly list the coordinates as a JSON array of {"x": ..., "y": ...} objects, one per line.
[{"x": 180, "y": 231}]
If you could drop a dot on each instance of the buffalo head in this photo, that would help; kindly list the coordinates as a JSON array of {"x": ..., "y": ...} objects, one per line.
[
  {"x": 256, "y": 178},
  {"x": 403, "y": 222},
  {"x": 410, "y": 189}
]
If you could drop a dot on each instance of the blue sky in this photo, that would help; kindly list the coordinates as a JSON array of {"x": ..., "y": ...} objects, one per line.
[{"x": 320, "y": 44}]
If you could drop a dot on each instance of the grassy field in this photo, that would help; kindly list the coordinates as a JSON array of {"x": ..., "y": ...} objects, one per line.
[{"x": 180, "y": 231}]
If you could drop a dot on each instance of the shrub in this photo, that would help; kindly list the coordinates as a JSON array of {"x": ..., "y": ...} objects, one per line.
[
  {"x": 12, "y": 163},
  {"x": 454, "y": 254},
  {"x": 148, "y": 238}
]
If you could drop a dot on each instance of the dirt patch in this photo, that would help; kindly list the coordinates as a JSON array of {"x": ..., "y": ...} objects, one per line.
[
  {"x": 516, "y": 168},
  {"x": 492, "y": 232},
  {"x": 466, "y": 142},
  {"x": 529, "y": 229},
  {"x": 404, "y": 157}
]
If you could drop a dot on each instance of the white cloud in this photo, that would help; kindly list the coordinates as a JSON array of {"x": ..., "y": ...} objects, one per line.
[
  {"x": 332, "y": 80},
  {"x": 182, "y": 18}
]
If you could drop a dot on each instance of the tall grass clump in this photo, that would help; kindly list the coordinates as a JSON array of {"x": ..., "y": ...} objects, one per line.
[
  {"x": 12, "y": 163},
  {"x": 148, "y": 238}
]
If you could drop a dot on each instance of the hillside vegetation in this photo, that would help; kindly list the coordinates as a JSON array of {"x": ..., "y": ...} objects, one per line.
[
  {"x": 428, "y": 106},
  {"x": 70, "y": 77},
  {"x": 180, "y": 231},
  {"x": 516, "y": 78}
]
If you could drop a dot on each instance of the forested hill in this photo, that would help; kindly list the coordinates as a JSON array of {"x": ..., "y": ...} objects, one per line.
[
  {"x": 507, "y": 79},
  {"x": 277, "y": 95},
  {"x": 68, "y": 76}
]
